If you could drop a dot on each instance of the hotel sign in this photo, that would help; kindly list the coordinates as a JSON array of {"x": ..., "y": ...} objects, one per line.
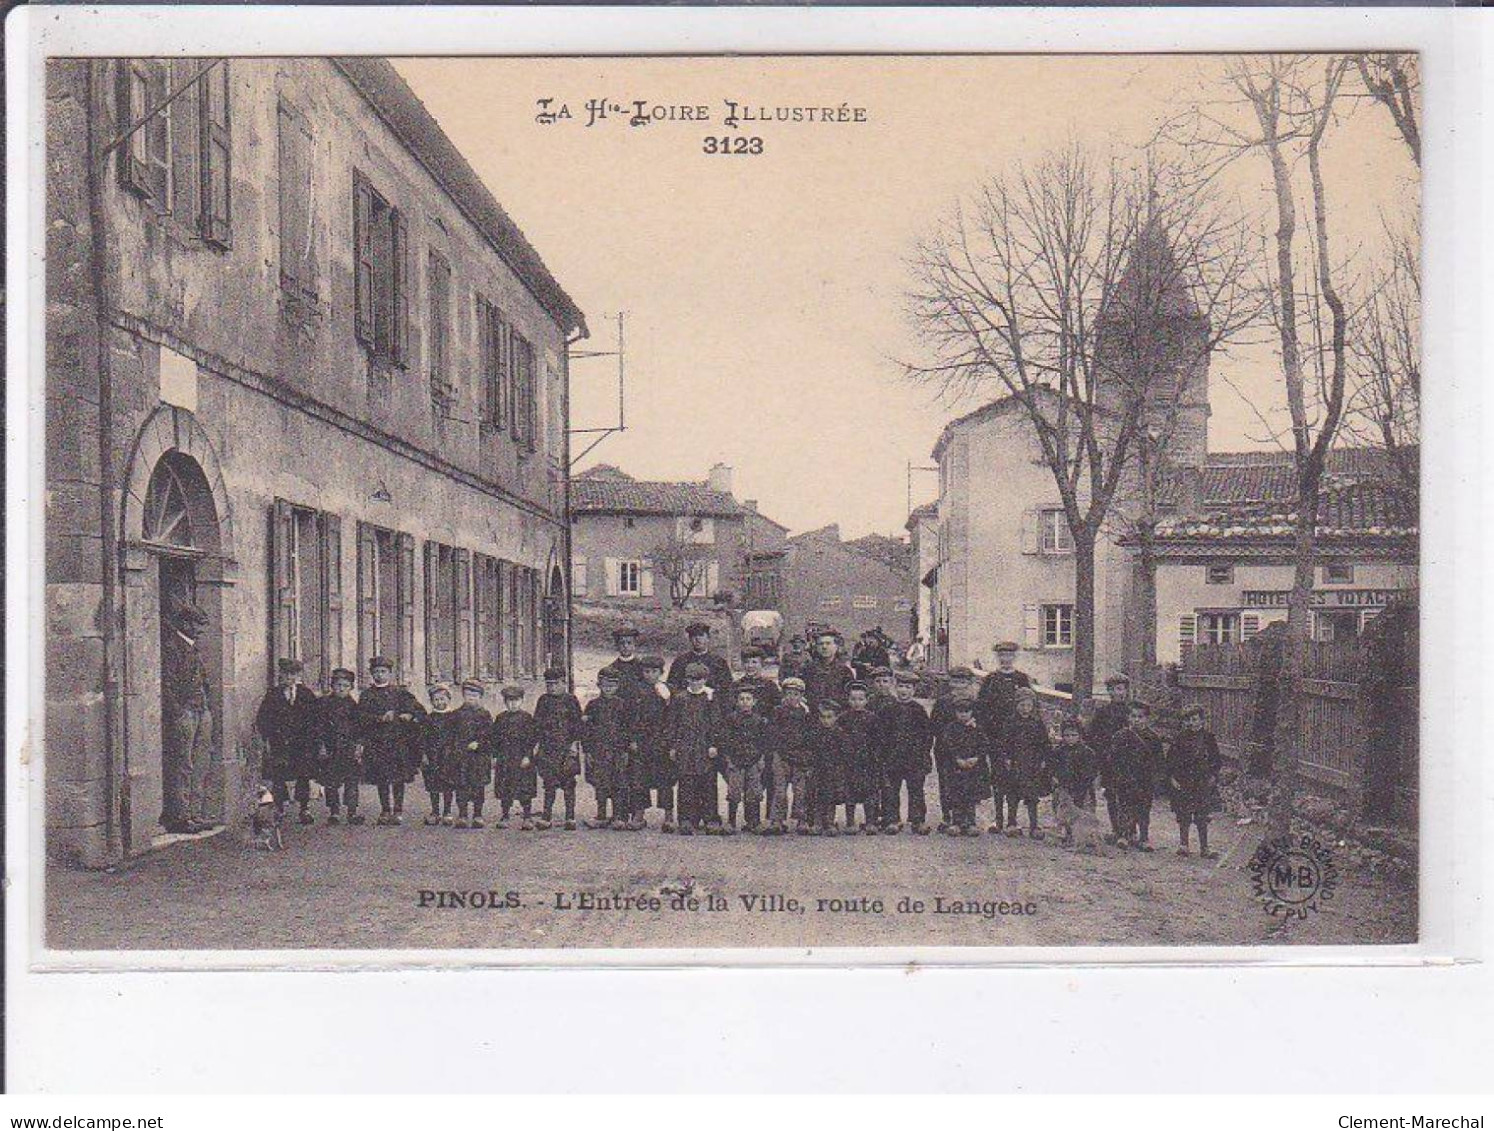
[{"x": 1323, "y": 598}]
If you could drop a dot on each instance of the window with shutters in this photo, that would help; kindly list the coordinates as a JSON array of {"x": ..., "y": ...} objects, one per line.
[
  {"x": 522, "y": 403},
  {"x": 386, "y": 598},
  {"x": 1218, "y": 628},
  {"x": 448, "y": 612},
  {"x": 492, "y": 343},
  {"x": 306, "y": 566},
  {"x": 1057, "y": 626},
  {"x": 487, "y": 599},
  {"x": 1055, "y": 533},
  {"x": 514, "y": 602},
  {"x": 298, "y": 272},
  {"x": 630, "y": 578},
  {"x": 438, "y": 334},
  {"x": 381, "y": 275},
  {"x": 178, "y": 151}
]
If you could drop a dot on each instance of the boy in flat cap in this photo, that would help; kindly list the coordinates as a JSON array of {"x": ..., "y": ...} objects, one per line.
[
  {"x": 964, "y": 781},
  {"x": 653, "y": 772},
  {"x": 438, "y": 748},
  {"x": 474, "y": 765},
  {"x": 907, "y": 738},
  {"x": 606, "y": 739},
  {"x": 718, "y": 671},
  {"x": 1131, "y": 771},
  {"x": 391, "y": 728},
  {"x": 1193, "y": 765},
  {"x": 558, "y": 727},
  {"x": 1108, "y": 721},
  {"x": 287, "y": 721},
  {"x": 691, "y": 728},
  {"x": 962, "y": 685},
  {"x": 791, "y": 739},
  {"x": 863, "y": 752},
  {"x": 793, "y": 661},
  {"x": 743, "y": 744},
  {"x": 826, "y": 675},
  {"x": 829, "y": 773},
  {"x": 995, "y": 704},
  {"x": 511, "y": 742},
  {"x": 339, "y": 738}
]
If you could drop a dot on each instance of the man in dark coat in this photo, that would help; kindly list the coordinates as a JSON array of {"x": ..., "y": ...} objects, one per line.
[
  {"x": 187, "y": 725},
  {"x": 826, "y": 675},
  {"x": 691, "y": 726},
  {"x": 994, "y": 706},
  {"x": 718, "y": 671},
  {"x": 1108, "y": 721},
  {"x": 907, "y": 736},
  {"x": 558, "y": 727},
  {"x": 632, "y": 680},
  {"x": 391, "y": 748},
  {"x": 287, "y": 721}
]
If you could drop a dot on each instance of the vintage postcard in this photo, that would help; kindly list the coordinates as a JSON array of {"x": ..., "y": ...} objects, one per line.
[{"x": 690, "y": 502}]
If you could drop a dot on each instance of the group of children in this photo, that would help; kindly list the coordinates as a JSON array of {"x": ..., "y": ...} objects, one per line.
[{"x": 822, "y": 752}]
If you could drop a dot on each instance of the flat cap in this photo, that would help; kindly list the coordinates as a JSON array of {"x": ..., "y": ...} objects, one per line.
[
  {"x": 290, "y": 667},
  {"x": 1005, "y": 646},
  {"x": 344, "y": 673},
  {"x": 473, "y": 685},
  {"x": 906, "y": 677},
  {"x": 961, "y": 673},
  {"x": 829, "y": 705},
  {"x": 512, "y": 691},
  {"x": 609, "y": 674},
  {"x": 855, "y": 685},
  {"x": 697, "y": 628},
  {"x": 380, "y": 662},
  {"x": 793, "y": 683},
  {"x": 554, "y": 673},
  {"x": 438, "y": 685},
  {"x": 880, "y": 670}
]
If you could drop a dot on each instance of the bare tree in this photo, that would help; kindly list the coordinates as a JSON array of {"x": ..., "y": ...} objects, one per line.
[
  {"x": 1394, "y": 81},
  {"x": 1073, "y": 286},
  {"x": 685, "y": 565}
]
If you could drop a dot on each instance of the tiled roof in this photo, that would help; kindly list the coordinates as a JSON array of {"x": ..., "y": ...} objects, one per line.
[
  {"x": 1231, "y": 478},
  {"x": 606, "y": 495},
  {"x": 1362, "y": 508},
  {"x": 405, "y": 114}
]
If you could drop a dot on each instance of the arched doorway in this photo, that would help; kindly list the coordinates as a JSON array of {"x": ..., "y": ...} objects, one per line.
[
  {"x": 557, "y": 618},
  {"x": 176, "y": 552}
]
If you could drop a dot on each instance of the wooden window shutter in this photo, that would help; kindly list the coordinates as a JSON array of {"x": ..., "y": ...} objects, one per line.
[
  {"x": 1032, "y": 626},
  {"x": 283, "y": 618},
  {"x": 368, "y": 594},
  {"x": 363, "y": 267},
  {"x": 1250, "y": 624},
  {"x": 464, "y": 664},
  {"x": 158, "y": 136},
  {"x": 186, "y": 146},
  {"x": 613, "y": 584},
  {"x": 332, "y": 589},
  {"x": 399, "y": 246},
  {"x": 578, "y": 575},
  {"x": 295, "y": 176},
  {"x": 432, "y": 612},
  {"x": 484, "y": 358},
  {"x": 712, "y": 578},
  {"x": 132, "y": 99},
  {"x": 501, "y": 613},
  {"x": 406, "y": 657},
  {"x": 505, "y": 373},
  {"x": 646, "y": 579},
  {"x": 1031, "y": 534},
  {"x": 217, "y": 156},
  {"x": 1187, "y": 632}
]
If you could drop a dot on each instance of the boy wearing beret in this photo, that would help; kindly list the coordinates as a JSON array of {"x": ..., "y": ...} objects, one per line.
[
  {"x": 558, "y": 728},
  {"x": 339, "y": 736},
  {"x": 474, "y": 765},
  {"x": 1193, "y": 765},
  {"x": 606, "y": 739},
  {"x": 511, "y": 742},
  {"x": 691, "y": 729},
  {"x": 287, "y": 721},
  {"x": 391, "y": 746}
]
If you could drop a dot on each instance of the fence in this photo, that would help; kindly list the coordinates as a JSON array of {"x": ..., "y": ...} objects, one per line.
[{"x": 1348, "y": 744}]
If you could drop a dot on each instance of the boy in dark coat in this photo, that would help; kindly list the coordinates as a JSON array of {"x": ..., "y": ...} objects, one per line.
[
  {"x": 1076, "y": 765},
  {"x": 339, "y": 736},
  {"x": 829, "y": 789},
  {"x": 558, "y": 727},
  {"x": 1026, "y": 755},
  {"x": 907, "y": 736},
  {"x": 1131, "y": 770},
  {"x": 438, "y": 755},
  {"x": 964, "y": 782},
  {"x": 654, "y": 771},
  {"x": 825, "y": 674},
  {"x": 391, "y": 739},
  {"x": 765, "y": 690},
  {"x": 995, "y": 704},
  {"x": 607, "y": 739},
  {"x": 718, "y": 671},
  {"x": 692, "y": 724},
  {"x": 473, "y": 764},
  {"x": 1109, "y": 720},
  {"x": 863, "y": 759},
  {"x": 743, "y": 745},
  {"x": 791, "y": 738},
  {"x": 962, "y": 685},
  {"x": 1193, "y": 765},
  {"x": 510, "y": 743},
  {"x": 287, "y": 721}
]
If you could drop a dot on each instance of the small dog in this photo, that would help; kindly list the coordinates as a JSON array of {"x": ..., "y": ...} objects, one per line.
[
  {"x": 266, "y": 822},
  {"x": 1081, "y": 828}
]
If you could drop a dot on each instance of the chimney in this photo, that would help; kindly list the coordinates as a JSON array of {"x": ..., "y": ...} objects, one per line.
[
  {"x": 720, "y": 479},
  {"x": 749, "y": 505}
]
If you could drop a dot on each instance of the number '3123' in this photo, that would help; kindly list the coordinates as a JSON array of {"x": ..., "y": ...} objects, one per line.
[{"x": 733, "y": 145}]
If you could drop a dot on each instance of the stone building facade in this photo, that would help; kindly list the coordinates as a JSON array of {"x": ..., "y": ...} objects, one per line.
[
  {"x": 303, "y": 372},
  {"x": 840, "y": 583}
]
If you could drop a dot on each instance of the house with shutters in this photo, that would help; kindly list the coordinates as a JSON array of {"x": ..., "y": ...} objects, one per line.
[
  {"x": 652, "y": 544},
  {"x": 304, "y": 372}
]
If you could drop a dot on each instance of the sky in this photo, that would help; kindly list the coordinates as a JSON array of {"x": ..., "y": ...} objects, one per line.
[{"x": 764, "y": 293}]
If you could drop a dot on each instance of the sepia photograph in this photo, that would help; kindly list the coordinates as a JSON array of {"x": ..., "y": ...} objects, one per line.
[{"x": 730, "y": 501}]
